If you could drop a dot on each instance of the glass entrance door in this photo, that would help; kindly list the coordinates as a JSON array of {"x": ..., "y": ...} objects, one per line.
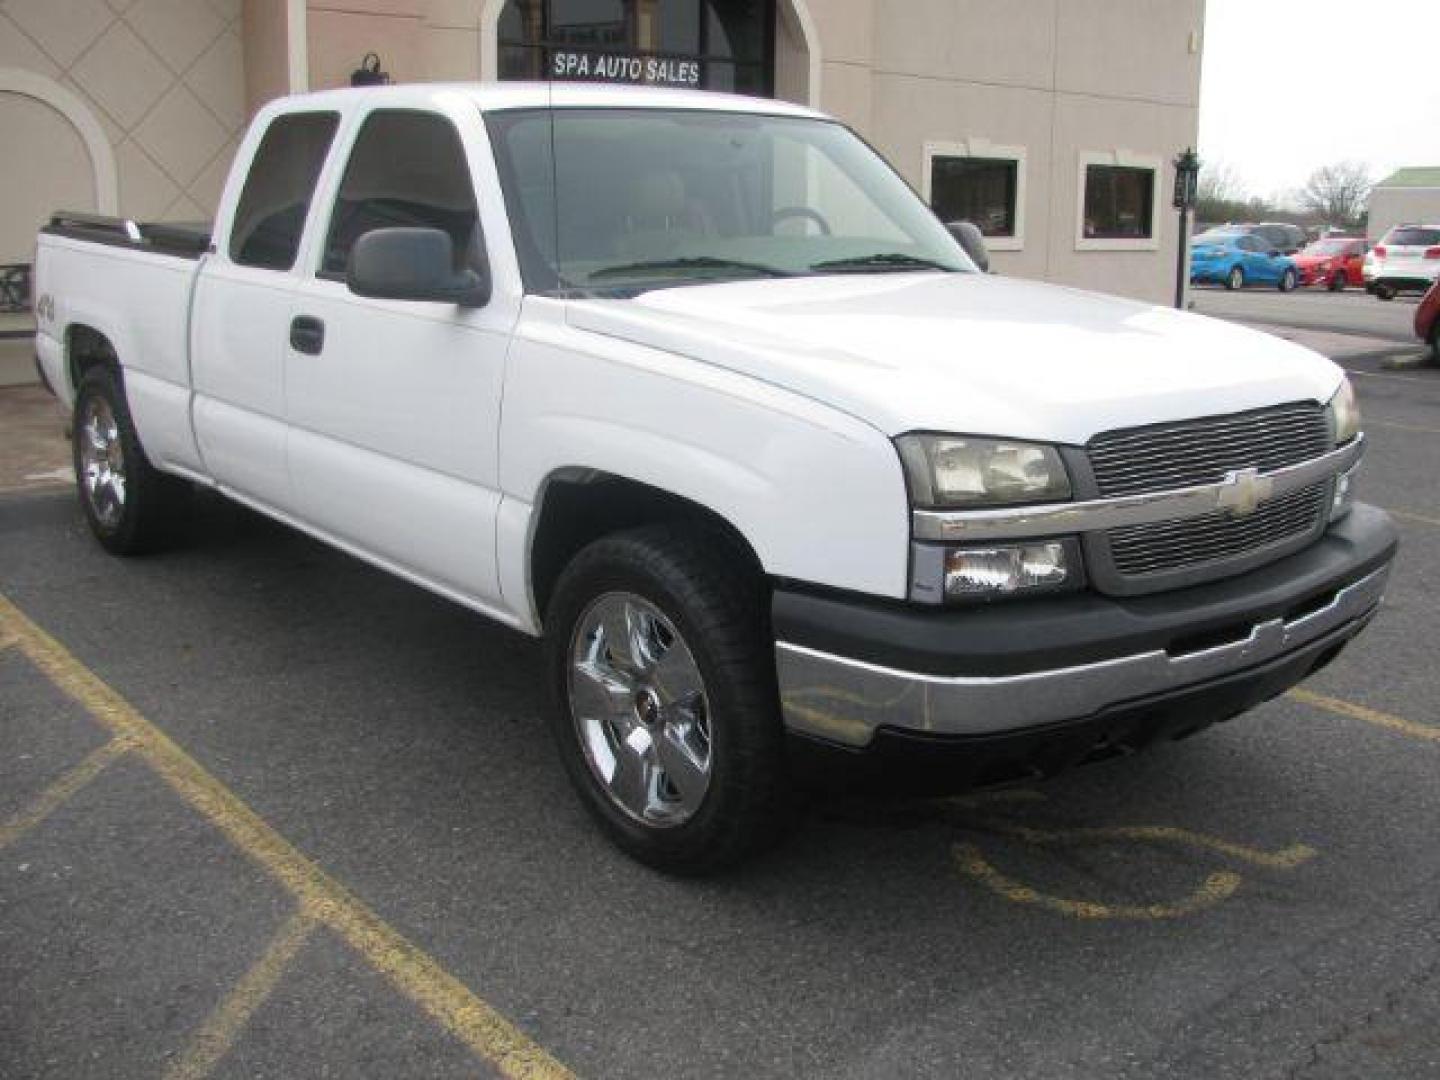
[{"x": 703, "y": 44}]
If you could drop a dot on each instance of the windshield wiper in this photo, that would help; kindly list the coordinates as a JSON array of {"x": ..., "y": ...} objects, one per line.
[
  {"x": 701, "y": 262},
  {"x": 882, "y": 260}
]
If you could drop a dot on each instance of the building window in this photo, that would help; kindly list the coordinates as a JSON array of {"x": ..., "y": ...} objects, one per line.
[
  {"x": 1118, "y": 207},
  {"x": 706, "y": 44},
  {"x": 979, "y": 182}
]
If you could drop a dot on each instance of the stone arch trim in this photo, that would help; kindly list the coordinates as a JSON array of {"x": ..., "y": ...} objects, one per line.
[
  {"x": 799, "y": 10},
  {"x": 102, "y": 155}
]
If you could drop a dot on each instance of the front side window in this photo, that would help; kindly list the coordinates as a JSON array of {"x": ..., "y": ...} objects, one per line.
[
  {"x": 407, "y": 169},
  {"x": 982, "y": 190},
  {"x": 606, "y": 199},
  {"x": 270, "y": 216},
  {"x": 1119, "y": 202}
]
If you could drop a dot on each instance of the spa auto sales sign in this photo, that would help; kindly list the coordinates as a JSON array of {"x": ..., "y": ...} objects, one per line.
[{"x": 617, "y": 67}]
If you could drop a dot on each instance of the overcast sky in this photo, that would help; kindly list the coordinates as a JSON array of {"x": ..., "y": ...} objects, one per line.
[{"x": 1289, "y": 85}]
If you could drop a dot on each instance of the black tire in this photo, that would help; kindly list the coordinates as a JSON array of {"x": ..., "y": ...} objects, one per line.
[
  {"x": 1235, "y": 279},
  {"x": 697, "y": 580},
  {"x": 144, "y": 517},
  {"x": 1337, "y": 281},
  {"x": 1287, "y": 281},
  {"x": 1384, "y": 292}
]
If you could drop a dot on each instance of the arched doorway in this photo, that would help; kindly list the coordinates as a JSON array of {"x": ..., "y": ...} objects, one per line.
[
  {"x": 761, "y": 47},
  {"x": 63, "y": 159}
]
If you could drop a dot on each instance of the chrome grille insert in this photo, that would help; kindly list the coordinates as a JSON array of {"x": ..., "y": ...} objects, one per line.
[{"x": 1204, "y": 451}]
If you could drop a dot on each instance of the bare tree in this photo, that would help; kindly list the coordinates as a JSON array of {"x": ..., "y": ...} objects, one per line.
[
  {"x": 1338, "y": 192},
  {"x": 1220, "y": 183}
]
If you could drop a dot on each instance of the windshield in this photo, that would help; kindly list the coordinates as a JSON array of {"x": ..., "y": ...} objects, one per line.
[{"x": 608, "y": 201}]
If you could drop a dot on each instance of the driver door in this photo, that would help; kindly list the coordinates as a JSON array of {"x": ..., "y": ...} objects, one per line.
[{"x": 394, "y": 406}]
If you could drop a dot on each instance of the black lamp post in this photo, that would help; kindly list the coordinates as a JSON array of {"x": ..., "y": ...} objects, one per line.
[{"x": 1187, "y": 187}]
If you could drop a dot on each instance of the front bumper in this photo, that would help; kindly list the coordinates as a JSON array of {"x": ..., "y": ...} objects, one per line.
[{"x": 851, "y": 671}]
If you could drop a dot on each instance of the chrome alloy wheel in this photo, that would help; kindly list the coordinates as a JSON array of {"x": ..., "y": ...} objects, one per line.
[
  {"x": 102, "y": 462},
  {"x": 640, "y": 710}
]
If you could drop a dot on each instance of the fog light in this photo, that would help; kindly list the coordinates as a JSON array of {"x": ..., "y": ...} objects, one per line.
[
  {"x": 975, "y": 573},
  {"x": 1344, "y": 498}
]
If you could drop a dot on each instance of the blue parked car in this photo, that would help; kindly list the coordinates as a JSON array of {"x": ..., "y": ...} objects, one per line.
[{"x": 1236, "y": 259}]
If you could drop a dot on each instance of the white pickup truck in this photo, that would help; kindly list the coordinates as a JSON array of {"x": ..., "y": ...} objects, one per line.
[{"x": 696, "y": 389}]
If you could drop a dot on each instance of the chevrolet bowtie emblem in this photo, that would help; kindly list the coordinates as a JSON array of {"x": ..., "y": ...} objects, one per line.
[{"x": 1243, "y": 491}]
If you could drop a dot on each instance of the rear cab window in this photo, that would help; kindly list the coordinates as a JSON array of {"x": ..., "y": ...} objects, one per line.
[
  {"x": 270, "y": 216},
  {"x": 1412, "y": 237}
]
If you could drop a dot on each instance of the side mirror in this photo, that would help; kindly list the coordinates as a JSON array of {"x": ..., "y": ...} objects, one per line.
[
  {"x": 973, "y": 241},
  {"x": 414, "y": 264}
]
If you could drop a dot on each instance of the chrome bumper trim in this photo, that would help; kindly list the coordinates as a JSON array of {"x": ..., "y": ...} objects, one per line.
[
  {"x": 1240, "y": 493},
  {"x": 845, "y": 700}
]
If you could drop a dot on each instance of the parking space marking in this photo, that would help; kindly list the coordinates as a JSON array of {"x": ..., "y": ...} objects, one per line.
[
  {"x": 220, "y": 1029},
  {"x": 1427, "y": 732},
  {"x": 447, "y": 1000},
  {"x": 1285, "y": 859},
  {"x": 1406, "y": 515},
  {"x": 56, "y": 795},
  {"x": 1216, "y": 888},
  {"x": 1370, "y": 421}
]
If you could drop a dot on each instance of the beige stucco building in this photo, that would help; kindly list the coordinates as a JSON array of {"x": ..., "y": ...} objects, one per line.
[{"x": 1049, "y": 122}]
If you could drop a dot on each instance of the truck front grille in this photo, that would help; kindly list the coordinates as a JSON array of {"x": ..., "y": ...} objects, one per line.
[{"x": 1167, "y": 456}]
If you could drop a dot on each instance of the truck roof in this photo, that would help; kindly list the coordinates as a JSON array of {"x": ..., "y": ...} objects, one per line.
[{"x": 498, "y": 96}]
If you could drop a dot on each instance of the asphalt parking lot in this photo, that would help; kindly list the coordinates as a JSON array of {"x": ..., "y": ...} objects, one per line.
[{"x": 265, "y": 811}]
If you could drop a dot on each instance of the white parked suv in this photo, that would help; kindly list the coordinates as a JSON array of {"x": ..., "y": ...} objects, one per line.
[
  {"x": 1407, "y": 259},
  {"x": 696, "y": 389}
]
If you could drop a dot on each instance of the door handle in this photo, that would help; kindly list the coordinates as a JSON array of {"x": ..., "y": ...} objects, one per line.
[{"x": 307, "y": 335}]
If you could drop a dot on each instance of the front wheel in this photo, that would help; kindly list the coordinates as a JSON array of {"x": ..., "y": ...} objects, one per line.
[
  {"x": 1384, "y": 292},
  {"x": 666, "y": 711},
  {"x": 1337, "y": 281},
  {"x": 130, "y": 505},
  {"x": 1287, "y": 281},
  {"x": 1235, "y": 279}
]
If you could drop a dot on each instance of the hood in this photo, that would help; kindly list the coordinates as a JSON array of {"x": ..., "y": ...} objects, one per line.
[
  {"x": 969, "y": 353},
  {"x": 1312, "y": 260}
]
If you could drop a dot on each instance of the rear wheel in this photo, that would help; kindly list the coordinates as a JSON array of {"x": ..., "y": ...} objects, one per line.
[
  {"x": 1384, "y": 292},
  {"x": 1337, "y": 281},
  {"x": 130, "y": 505},
  {"x": 1235, "y": 279},
  {"x": 666, "y": 712}
]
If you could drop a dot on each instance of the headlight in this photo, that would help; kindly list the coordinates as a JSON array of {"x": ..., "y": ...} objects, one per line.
[
  {"x": 1344, "y": 414},
  {"x": 957, "y": 471}
]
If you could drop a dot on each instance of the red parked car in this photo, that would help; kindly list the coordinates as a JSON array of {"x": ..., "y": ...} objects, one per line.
[
  {"x": 1427, "y": 320},
  {"x": 1334, "y": 262}
]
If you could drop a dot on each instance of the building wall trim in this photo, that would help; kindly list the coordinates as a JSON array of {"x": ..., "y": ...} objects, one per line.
[{"x": 47, "y": 91}]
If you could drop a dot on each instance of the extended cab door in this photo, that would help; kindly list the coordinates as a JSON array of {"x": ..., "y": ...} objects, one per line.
[
  {"x": 242, "y": 310},
  {"x": 394, "y": 405}
]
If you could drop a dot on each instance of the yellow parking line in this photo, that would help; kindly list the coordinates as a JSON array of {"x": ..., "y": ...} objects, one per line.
[
  {"x": 413, "y": 972},
  {"x": 218, "y": 1033},
  {"x": 1216, "y": 888},
  {"x": 1370, "y": 421},
  {"x": 1407, "y": 515},
  {"x": 1371, "y": 716},
  {"x": 54, "y": 796},
  {"x": 1285, "y": 859}
]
